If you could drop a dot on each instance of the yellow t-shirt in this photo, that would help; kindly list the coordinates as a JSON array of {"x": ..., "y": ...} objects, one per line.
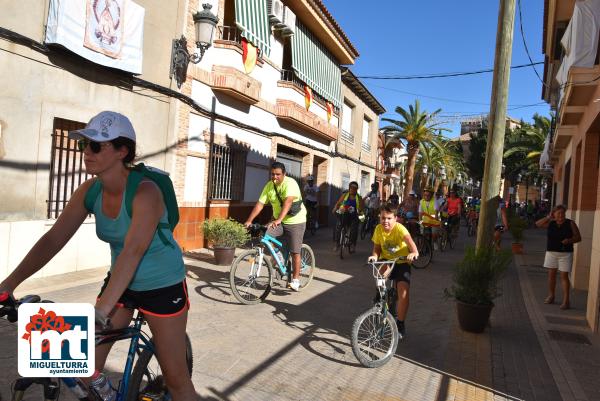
[
  {"x": 392, "y": 244},
  {"x": 289, "y": 187}
]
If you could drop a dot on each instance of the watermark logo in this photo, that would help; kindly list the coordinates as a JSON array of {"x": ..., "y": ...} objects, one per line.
[{"x": 56, "y": 340}]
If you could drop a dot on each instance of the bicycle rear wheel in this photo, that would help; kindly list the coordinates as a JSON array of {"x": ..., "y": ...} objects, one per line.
[
  {"x": 307, "y": 265},
  {"x": 364, "y": 228},
  {"x": 147, "y": 381},
  {"x": 425, "y": 252},
  {"x": 250, "y": 283},
  {"x": 343, "y": 241},
  {"x": 374, "y": 337}
]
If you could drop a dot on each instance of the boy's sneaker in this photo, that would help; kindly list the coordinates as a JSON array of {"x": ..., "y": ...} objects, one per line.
[
  {"x": 295, "y": 284},
  {"x": 401, "y": 328}
]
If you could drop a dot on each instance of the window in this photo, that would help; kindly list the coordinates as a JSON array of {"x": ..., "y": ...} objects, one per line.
[
  {"x": 345, "y": 181},
  {"x": 566, "y": 183},
  {"x": 67, "y": 170},
  {"x": 228, "y": 165},
  {"x": 364, "y": 182},
  {"x": 365, "y": 135},
  {"x": 347, "y": 122}
]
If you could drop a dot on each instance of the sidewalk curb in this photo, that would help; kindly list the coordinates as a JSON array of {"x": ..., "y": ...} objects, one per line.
[{"x": 566, "y": 381}]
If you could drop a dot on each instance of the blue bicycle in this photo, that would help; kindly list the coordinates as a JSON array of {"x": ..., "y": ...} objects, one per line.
[
  {"x": 251, "y": 275},
  {"x": 142, "y": 382}
]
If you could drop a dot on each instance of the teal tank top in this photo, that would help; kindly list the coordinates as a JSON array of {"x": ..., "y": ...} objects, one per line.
[{"x": 161, "y": 265}]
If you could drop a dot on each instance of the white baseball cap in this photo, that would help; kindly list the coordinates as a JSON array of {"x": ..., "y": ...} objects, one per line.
[{"x": 105, "y": 126}]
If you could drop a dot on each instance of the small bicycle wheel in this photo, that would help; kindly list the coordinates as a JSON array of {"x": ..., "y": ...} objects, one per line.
[
  {"x": 443, "y": 240},
  {"x": 374, "y": 337},
  {"x": 307, "y": 265},
  {"x": 424, "y": 248},
  {"x": 250, "y": 283},
  {"x": 364, "y": 228},
  {"x": 343, "y": 241},
  {"x": 147, "y": 381}
]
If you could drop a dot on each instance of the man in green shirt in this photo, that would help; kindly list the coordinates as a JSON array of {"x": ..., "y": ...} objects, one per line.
[{"x": 282, "y": 192}]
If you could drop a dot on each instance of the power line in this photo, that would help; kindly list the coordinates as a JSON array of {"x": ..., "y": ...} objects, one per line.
[
  {"x": 443, "y": 74},
  {"x": 525, "y": 44}
]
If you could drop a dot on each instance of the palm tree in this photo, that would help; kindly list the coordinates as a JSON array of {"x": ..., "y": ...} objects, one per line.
[
  {"x": 414, "y": 128},
  {"x": 525, "y": 145}
]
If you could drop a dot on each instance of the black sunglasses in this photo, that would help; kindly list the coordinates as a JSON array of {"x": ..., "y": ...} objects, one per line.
[{"x": 95, "y": 147}]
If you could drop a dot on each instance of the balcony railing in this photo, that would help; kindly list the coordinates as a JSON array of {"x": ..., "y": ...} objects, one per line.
[
  {"x": 230, "y": 34},
  {"x": 347, "y": 136},
  {"x": 290, "y": 76}
]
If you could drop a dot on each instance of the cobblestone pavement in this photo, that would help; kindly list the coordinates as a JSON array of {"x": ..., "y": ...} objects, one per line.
[{"x": 296, "y": 346}]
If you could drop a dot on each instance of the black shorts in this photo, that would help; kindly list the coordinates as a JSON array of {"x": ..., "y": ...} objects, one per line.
[
  {"x": 401, "y": 272},
  {"x": 162, "y": 302}
]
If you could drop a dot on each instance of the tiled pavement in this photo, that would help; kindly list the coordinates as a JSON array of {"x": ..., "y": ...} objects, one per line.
[{"x": 295, "y": 346}]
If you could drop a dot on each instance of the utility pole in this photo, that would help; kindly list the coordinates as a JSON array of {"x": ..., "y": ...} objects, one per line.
[{"x": 497, "y": 123}]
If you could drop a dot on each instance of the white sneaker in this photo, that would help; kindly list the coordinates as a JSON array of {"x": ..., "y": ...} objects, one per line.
[{"x": 295, "y": 284}]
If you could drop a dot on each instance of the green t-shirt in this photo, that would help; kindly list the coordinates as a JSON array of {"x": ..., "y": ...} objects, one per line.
[{"x": 289, "y": 187}]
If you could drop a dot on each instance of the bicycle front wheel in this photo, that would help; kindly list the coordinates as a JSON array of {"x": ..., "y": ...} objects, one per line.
[
  {"x": 374, "y": 337},
  {"x": 343, "y": 242},
  {"x": 307, "y": 265},
  {"x": 425, "y": 252},
  {"x": 250, "y": 283},
  {"x": 147, "y": 381}
]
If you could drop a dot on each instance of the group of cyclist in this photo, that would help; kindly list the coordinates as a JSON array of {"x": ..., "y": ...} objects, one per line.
[{"x": 148, "y": 274}]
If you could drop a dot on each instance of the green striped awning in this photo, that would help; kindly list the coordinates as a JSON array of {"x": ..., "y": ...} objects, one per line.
[
  {"x": 315, "y": 65},
  {"x": 251, "y": 17}
]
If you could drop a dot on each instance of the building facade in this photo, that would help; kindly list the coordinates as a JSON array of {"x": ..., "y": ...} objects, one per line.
[
  {"x": 571, "y": 87},
  {"x": 270, "y": 87}
]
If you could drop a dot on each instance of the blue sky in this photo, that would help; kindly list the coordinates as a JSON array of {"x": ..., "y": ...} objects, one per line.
[{"x": 401, "y": 37}]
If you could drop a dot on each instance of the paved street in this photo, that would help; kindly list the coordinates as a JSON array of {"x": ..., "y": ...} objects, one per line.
[{"x": 296, "y": 346}]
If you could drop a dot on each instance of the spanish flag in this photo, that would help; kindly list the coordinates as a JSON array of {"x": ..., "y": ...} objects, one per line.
[
  {"x": 249, "y": 55},
  {"x": 308, "y": 96},
  {"x": 329, "y": 111}
]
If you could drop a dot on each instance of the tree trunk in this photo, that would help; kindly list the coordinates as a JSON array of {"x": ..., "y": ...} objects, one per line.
[
  {"x": 413, "y": 151},
  {"x": 436, "y": 185}
]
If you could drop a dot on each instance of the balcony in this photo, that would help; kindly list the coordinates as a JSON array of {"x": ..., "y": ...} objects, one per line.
[
  {"x": 234, "y": 83},
  {"x": 291, "y": 112},
  {"x": 347, "y": 136},
  {"x": 578, "y": 93},
  {"x": 290, "y": 77}
]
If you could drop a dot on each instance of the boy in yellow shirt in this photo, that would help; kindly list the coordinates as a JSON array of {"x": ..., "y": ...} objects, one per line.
[{"x": 392, "y": 240}]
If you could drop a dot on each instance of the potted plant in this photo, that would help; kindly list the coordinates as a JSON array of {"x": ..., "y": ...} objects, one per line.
[
  {"x": 224, "y": 235},
  {"x": 475, "y": 285},
  {"x": 516, "y": 225}
]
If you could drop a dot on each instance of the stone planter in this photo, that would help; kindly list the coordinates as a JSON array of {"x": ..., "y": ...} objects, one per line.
[
  {"x": 473, "y": 318},
  {"x": 224, "y": 256},
  {"x": 517, "y": 248}
]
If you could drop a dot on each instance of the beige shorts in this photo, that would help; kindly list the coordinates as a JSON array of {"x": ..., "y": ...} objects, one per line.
[
  {"x": 559, "y": 260},
  {"x": 294, "y": 234}
]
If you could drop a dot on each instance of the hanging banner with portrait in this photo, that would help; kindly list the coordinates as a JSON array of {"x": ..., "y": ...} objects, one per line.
[{"x": 106, "y": 32}]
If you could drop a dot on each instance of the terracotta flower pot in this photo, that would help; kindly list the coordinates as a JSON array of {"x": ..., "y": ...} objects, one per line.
[
  {"x": 224, "y": 256},
  {"x": 517, "y": 248},
  {"x": 473, "y": 318}
]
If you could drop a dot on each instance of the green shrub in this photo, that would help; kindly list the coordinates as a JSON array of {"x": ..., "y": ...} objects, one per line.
[
  {"x": 225, "y": 233},
  {"x": 516, "y": 226},
  {"x": 475, "y": 278}
]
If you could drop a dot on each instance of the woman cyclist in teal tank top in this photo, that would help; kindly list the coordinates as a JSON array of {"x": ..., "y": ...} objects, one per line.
[{"x": 145, "y": 273}]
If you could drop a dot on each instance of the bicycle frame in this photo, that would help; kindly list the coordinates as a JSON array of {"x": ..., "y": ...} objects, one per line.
[
  {"x": 135, "y": 347},
  {"x": 268, "y": 242}
]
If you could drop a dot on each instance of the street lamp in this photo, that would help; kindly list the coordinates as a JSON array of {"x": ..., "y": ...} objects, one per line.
[{"x": 204, "y": 27}]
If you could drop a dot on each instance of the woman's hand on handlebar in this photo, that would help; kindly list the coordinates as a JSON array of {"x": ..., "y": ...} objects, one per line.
[
  {"x": 412, "y": 256},
  {"x": 102, "y": 321},
  {"x": 371, "y": 259}
]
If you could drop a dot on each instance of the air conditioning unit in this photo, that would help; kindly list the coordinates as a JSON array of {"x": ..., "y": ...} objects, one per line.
[
  {"x": 275, "y": 11},
  {"x": 289, "y": 22}
]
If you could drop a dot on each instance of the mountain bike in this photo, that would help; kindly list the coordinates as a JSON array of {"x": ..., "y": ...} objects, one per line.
[
  {"x": 345, "y": 243},
  {"x": 251, "y": 274},
  {"x": 374, "y": 332},
  {"x": 424, "y": 244},
  {"x": 311, "y": 218},
  {"x": 472, "y": 227},
  {"x": 144, "y": 381},
  {"x": 446, "y": 237},
  {"x": 368, "y": 225}
]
